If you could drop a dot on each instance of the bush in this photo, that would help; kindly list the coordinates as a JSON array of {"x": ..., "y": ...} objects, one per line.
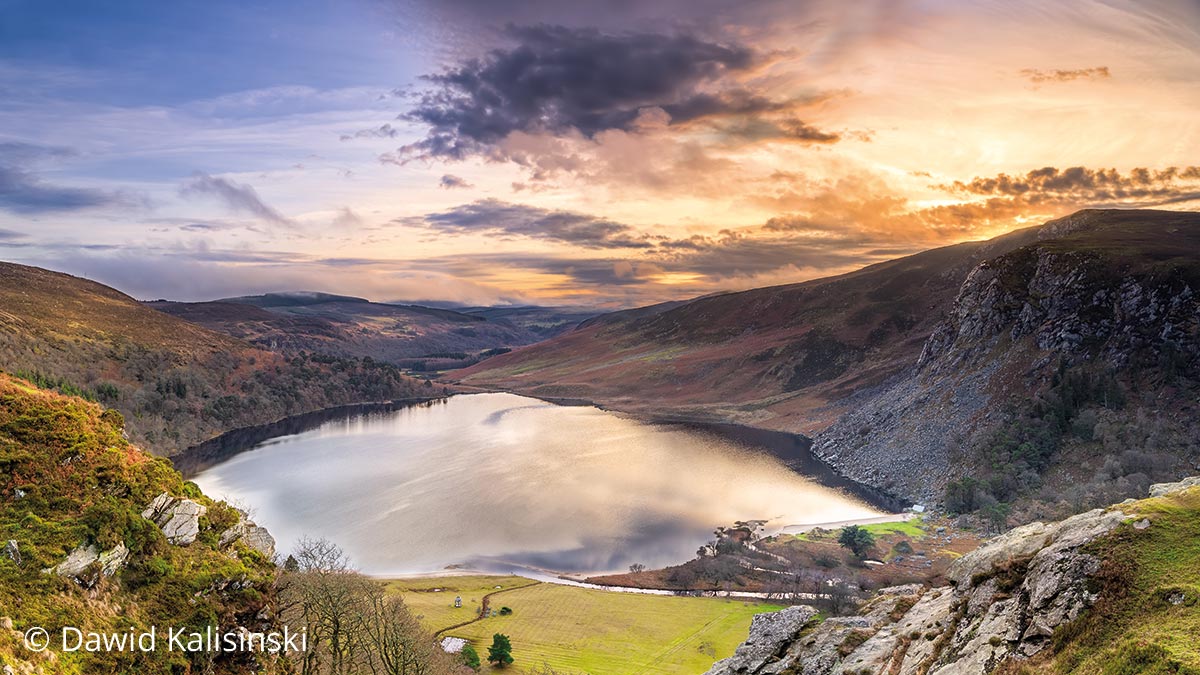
[{"x": 857, "y": 539}]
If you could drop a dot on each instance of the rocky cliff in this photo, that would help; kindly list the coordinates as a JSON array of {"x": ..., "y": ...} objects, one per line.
[
  {"x": 1109, "y": 586},
  {"x": 902, "y": 371},
  {"x": 1112, "y": 294}
]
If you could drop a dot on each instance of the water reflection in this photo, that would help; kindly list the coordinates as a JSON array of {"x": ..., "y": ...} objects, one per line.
[{"x": 502, "y": 479}]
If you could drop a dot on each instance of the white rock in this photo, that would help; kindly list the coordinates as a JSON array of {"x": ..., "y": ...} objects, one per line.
[{"x": 178, "y": 518}]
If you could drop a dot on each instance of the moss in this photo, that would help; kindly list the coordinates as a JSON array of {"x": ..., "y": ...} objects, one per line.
[
  {"x": 1147, "y": 613},
  {"x": 83, "y": 483},
  {"x": 853, "y": 640}
]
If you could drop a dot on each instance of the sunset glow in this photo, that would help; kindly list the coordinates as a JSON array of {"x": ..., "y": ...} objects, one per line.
[{"x": 608, "y": 154}]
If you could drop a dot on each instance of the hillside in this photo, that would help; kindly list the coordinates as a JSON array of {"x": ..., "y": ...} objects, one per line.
[
  {"x": 176, "y": 382},
  {"x": 72, "y": 494},
  {"x": 409, "y": 335},
  {"x": 1113, "y": 590},
  {"x": 904, "y": 371}
]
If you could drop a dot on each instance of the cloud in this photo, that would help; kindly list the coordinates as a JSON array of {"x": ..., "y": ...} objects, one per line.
[
  {"x": 1089, "y": 187},
  {"x": 237, "y": 198},
  {"x": 346, "y": 217},
  {"x": 9, "y": 235},
  {"x": 492, "y": 216},
  {"x": 563, "y": 81},
  {"x": 450, "y": 182},
  {"x": 383, "y": 131},
  {"x": 23, "y": 192},
  {"x": 1042, "y": 76}
]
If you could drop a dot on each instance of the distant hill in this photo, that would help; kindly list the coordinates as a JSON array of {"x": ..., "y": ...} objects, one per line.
[
  {"x": 1017, "y": 363},
  {"x": 176, "y": 382},
  {"x": 545, "y": 322},
  {"x": 409, "y": 335}
]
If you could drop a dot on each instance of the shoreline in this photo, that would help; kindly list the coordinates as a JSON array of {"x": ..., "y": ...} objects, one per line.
[
  {"x": 580, "y": 580},
  {"x": 218, "y": 449},
  {"x": 872, "y": 494}
]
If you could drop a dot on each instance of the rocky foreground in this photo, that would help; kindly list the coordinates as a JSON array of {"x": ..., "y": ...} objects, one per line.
[{"x": 1014, "y": 601}]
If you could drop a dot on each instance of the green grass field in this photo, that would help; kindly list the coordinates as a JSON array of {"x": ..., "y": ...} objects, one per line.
[
  {"x": 913, "y": 528},
  {"x": 433, "y": 598},
  {"x": 579, "y": 630}
]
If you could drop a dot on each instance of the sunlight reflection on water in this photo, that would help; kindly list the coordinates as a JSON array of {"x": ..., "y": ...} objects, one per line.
[{"x": 498, "y": 477}]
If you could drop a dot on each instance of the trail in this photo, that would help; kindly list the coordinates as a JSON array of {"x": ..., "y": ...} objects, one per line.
[{"x": 483, "y": 609}]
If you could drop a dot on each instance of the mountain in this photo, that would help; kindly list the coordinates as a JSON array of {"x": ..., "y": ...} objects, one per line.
[
  {"x": 409, "y": 335},
  {"x": 545, "y": 322},
  {"x": 985, "y": 362},
  {"x": 1112, "y": 590},
  {"x": 177, "y": 383}
]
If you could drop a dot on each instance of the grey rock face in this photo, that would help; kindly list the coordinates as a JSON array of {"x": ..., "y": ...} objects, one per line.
[
  {"x": 86, "y": 564},
  {"x": 178, "y": 518},
  {"x": 1005, "y": 602},
  {"x": 1160, "y": 489},
  {"x": 1016, "y": 314},
  {"x": 114, "y": 560},
  {"x": 77, "y": 561},
  {"x": 257, "y": 538},
  {"x": 770, "y": 634}
]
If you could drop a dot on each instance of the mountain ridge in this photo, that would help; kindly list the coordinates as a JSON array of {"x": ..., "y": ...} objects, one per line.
[
  {"x": 176, "y": 382},
  {"x": 850, "y": 360}
]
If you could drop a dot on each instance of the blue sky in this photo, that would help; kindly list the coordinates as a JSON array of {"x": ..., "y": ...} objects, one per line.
[{"x": 607, "y": 153}]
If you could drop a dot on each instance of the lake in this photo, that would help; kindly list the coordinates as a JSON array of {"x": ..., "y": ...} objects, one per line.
[{"x": 493, "y": 481}]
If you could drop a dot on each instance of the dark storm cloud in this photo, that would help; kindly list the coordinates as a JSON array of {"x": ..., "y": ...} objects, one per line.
[
  {"x": 1089, "y": 186},
  {"x": 237, "y": 198},
  {"x": 1042, "y": 76},
  {"x": 493, "y": 216},
  {"x": 450, "y": 182},
  {"x": 557, "y": 80},
  {"x": 21, "y": 191}
]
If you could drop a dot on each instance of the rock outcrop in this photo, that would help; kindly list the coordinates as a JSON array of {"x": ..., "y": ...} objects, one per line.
[
  {"x": 1004, "y": 602},
  {"x": 12, "y": 551},
  {"x": 87, "y": 564},
  {"x": 1089, "y": 290},
  {"x": 770, "y": 636},
  {"x": 178, "y": 518},
  {"x": 250, "y": 534}
]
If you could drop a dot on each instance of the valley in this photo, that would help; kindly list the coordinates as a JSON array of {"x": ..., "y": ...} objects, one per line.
[{"x": 996, "y": 386}]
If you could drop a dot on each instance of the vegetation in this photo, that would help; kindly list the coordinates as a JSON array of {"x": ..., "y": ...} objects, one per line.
[
  {"x": 176, "y": 383},
  {"x": 571, "y": 630},
  {"x": 68, "y": 477},
  {"x": 470, "y": 657},
  {"x": 1148, "y": 612},
  {"x": 1084, "y": 421},
  {"x": 500, "y": 653},
  {"x": 857, "y": 539},
  {"x": 353, "y": 624}
]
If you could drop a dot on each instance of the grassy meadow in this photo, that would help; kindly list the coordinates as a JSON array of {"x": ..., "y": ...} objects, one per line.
[{"x": 579, "y": 630}]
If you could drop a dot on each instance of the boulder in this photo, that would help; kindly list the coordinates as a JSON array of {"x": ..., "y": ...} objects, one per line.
[
  {"x": 112, "y": 561},
  {"x": 1160, "y": 489},
  {"x": 178, "y": 518},
  {"x": 770, "y": 635},
  {"x": 1007, "y": 599},
  {"x": 77, "y": 561},
  {"x": 245, "y": 531},
  {"x": 86, "y": 564}
]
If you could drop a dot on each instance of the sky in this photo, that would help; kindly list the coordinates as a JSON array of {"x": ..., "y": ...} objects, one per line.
[{"x": 610, "y": 153}]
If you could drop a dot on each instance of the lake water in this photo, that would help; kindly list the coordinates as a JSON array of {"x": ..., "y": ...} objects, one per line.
[{"x": 497, "y": 480}]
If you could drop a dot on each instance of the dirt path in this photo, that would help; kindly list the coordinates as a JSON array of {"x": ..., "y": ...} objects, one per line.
[{"x": 484, "y": 605}]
